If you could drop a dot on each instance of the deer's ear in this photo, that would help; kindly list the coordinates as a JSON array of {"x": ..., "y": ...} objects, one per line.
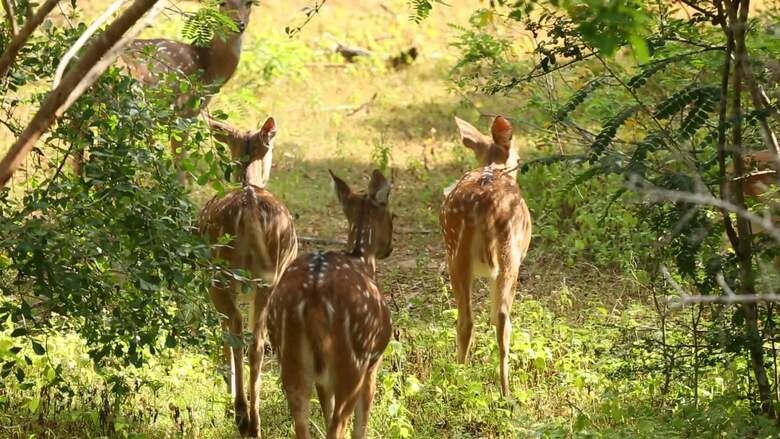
[
  {"x": 379, "y": 188},
  {"x": 472, "y": 138},
  {"x": 343, "y": 191},
  {"x": 269, "y": 128},
  {"x": 502, "y": 132}
]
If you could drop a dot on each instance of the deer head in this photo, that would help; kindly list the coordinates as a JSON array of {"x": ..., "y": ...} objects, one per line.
[
  {"x": 253, "y": 149},
  {"x": 370, "y": 220},
  {"x": 498, "y": 149}
]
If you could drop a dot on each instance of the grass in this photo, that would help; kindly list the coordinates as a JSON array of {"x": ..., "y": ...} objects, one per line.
[{"x": 574, "y": 319}]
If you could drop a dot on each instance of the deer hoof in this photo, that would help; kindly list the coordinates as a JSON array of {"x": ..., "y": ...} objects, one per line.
[{"x": 242, "y": 421}]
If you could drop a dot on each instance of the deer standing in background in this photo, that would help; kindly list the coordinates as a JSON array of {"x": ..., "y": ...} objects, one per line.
[
  {"x": 487, "y": 229},
  {"x": 328, "y": 322},
  {"x": 151, "y": 61},
  {"x": 758, "y": 182},
  {"x": 263, "y": 242}
]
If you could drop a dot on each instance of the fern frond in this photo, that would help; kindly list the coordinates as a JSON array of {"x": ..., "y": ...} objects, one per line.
[
  {"x": 697, "y": 117},
  {"x": 647, "y": 71},
  {"x": 200, "y": 27},
  {"x": 578, "y": 98},
  {"x": 421, "y": 9},
  {"x": 608, "y": 131},
  {"x": 680, "y": 99},
  {"x": 652, "y": 142}
]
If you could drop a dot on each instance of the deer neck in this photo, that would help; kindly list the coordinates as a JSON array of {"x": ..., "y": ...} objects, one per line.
[
  {"x": 361, "y": 237},
  {"x": 510, "y": 165},
  {"x": 257, "y": 170},
  {"x": 220, "y": 58}
]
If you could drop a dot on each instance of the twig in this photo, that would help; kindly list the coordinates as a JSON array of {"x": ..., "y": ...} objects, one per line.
[
  {"x": 310, "y": 13},
  {"x": 82, "y": 40},
  {"x": 363, "y": 105}
]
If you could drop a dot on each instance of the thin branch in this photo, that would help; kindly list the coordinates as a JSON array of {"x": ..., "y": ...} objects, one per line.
[
  {"x": 657, "y": 194},
  {"x": 310, "y": 13},
  {"x": 10, "y": 16},
  {"x": 722, "y": 113},
  {"x": 76, "y": 80},
  {"x": 679, "y": 302},
  {"x": 21, "y": 38},
  {"x": 82, "y": 40},
  {"x": 698, "y": 8},
  {"x": 534, "y": 73}
]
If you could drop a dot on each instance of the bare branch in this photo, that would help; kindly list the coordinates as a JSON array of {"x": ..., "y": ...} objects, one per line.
[
  {"x": 110, "y": 56},
  {"x": 657, "y": 194},
  {"x": 82, "y": 40},
  {"x": 76, "y": 80},
  {"x": 679, "y": 302},
  {"x": 21, "y": 38}
]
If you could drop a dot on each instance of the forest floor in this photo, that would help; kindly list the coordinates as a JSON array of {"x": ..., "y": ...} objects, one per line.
[{"x": 574, "y": 319}]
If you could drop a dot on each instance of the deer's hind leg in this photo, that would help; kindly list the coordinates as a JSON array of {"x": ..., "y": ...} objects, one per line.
[
  {"x": 503, "y": 292},
  {"x": 461, "y": 278},
  {"x": 233, "y": 349}
]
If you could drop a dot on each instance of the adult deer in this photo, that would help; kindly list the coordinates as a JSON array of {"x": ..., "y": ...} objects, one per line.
[
  {"x": 263, "y": 243},
  {"x": 155, "y": 60},
  {"x": 487, "y": 229},
  {"x": 328, "y": 322}
]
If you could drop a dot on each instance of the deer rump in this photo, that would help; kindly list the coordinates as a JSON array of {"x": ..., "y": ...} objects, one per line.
[
  {"x": 260, "y": 226},
  {"x": 328, "y": 316},
  {"x": 482, "y": 208}
]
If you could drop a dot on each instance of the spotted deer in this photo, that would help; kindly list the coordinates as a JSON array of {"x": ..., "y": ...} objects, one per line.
[
  {"x": 487, "y": 229},
  {"x": 328, "y": 322},
  {"x": 151, "y": 60},
  {"x": 154, "y": 60},
  {"x": 263, "y": 243}
]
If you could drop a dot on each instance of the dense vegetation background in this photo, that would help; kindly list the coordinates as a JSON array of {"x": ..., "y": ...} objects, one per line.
[{"x": 626, "y": 125}]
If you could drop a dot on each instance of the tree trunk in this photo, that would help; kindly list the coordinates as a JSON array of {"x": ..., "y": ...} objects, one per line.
[{"x": 738, "y": 21}]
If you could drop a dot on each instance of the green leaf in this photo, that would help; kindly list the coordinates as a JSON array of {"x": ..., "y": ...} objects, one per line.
[{"x": 38, "y": 348}]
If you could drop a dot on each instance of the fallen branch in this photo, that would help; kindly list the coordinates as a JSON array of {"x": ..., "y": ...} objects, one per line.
[{"x": 363, "y": 106}]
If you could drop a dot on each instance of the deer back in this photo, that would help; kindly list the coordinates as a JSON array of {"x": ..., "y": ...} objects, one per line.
[
  {"x": 333, "y": 299},
  {"x": 263, "y": 236}
]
